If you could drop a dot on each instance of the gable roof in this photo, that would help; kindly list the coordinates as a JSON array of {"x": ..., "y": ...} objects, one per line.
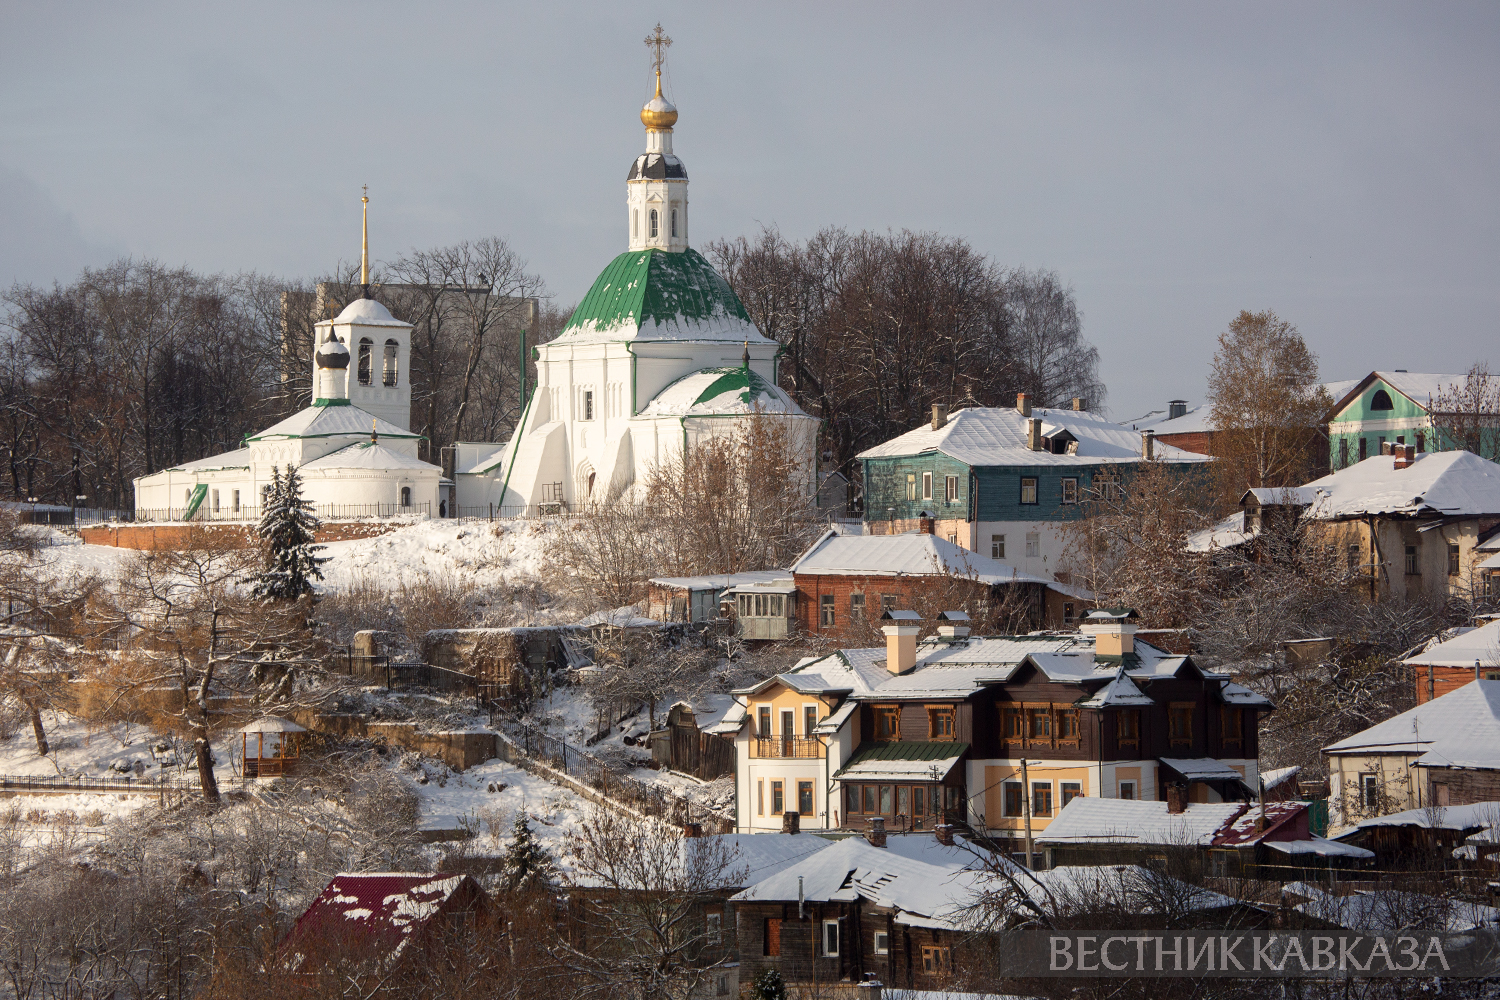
[
  {"x": 381, "y": 912},
  {"x": 911, "y": 554},
  {"x": 1470, "y": 647},
  {"x": 371, "y": 456},
  {"x": 996, "y": 436},
  {"x": 1449, "y": 483},
  {"x": 1459, "y": 729},
  {"x": 1138, "y": 821},
  {"x": 1419, "y": 387}
]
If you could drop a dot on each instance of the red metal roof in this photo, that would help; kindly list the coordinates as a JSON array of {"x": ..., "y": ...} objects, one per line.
[
  {"x": 379, "y": 912},
  {"x": 1240, "y": 831}
]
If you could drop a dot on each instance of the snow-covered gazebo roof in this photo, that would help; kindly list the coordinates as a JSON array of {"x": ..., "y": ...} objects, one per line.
[{"x": 273, "y": 724}]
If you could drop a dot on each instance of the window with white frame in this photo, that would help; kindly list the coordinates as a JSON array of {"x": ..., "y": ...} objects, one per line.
[
  {"x": 882, "y": 943},
  {"x": 950, "y": 489},
  {"x": 926, "y": 486},
  {"x": 1070, "y": 490},
  {"x": 1033, "y": 545},
  {"x": 831, "y": 938},
  {"x": 997, "y": 546}
]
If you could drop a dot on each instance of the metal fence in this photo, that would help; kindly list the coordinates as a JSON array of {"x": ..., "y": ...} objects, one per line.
[
  {"x": 247, "y": 512},
  {"x": 184, "y": 781},
  {"x": 595, "y": 772}
]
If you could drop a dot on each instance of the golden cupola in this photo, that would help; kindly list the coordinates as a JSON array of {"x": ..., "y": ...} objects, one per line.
[{"x": 659, "y": 114}]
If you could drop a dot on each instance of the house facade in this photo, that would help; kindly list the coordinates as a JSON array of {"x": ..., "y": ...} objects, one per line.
[
  {"x": 1444, "y": 752},
  {"x": 1004, "y": 482},
  {"x": 1395, "y": 408},
  {"x": 916, "y": 733}
]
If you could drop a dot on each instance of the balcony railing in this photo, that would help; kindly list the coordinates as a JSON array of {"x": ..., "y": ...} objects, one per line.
[{"x": 787, "y": 746}]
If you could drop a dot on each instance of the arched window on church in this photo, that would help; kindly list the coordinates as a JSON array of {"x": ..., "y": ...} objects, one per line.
[
  {"x": 635, "y": 224},
  {"x": 406, "y": 496},
  {"x": 390, "y": 362},
  {"x": 674, "y": 222},
  {"x": 366, "y": 347},
  {"x": 655, "y": 225}
]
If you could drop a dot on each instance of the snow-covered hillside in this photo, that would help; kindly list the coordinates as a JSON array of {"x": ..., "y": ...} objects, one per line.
[{"x": 481, "y": 553}]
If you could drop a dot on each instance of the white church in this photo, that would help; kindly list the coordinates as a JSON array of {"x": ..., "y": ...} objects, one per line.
[
  {"x": 658, "y": 356},
  {"x": 352, "y": 446}
]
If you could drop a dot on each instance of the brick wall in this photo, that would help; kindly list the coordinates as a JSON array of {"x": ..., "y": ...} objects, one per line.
[
  {"x": 1195, "y": 441},
  {"x": 1434, "y": 682},
  {"x": 238, "y": 535}
]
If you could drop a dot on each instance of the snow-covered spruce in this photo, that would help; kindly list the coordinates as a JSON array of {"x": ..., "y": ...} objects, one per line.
[{"x": 289, "y": 529}]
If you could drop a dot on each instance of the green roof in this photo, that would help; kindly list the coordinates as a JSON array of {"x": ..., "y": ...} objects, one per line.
[
  {"x": 677, "y": 295},
  {"x": 907, "y": 750}
]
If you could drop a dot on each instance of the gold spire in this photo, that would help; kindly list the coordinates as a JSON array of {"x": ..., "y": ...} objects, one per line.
[
  {"x": 364, "y": 253},
  {"x": 658, "y": 115}
]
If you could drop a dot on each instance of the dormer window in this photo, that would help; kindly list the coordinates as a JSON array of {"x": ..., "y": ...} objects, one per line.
[{"x": 1381, "y": 401}]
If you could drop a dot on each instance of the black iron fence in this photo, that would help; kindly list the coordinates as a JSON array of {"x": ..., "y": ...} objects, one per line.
[{"x": 248, "y": 512}]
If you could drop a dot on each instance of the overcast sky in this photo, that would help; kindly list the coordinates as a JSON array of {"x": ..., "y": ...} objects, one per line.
[{"x": 1339, "y": 164}]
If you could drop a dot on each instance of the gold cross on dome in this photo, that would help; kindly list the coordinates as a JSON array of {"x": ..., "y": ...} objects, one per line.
[{"x": 658, "y": 41}]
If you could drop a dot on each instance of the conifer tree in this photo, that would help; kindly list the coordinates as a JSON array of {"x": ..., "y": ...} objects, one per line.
[
  {"x": 289, "y": 529},
  {"x": 769, "y": 986},
  {"x": 527, "y": 865}
]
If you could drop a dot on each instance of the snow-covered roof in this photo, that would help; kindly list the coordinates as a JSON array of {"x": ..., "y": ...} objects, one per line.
[
  {"x": 1385, "y": 910},
  {"x": 273, "y": 724},
  {"x": 379, "y": 913},
  {"x": 626, "y": 617},
  {"x": 1493, "y": 562},
  {"x": 718, "y": 391},
  {"x": 762, "y": 855},
  {"x": 925, "y": 886},
  {"x": 1477, "y": 645},
  {"x": 1196, "y": 420},
  {"x": 1472, "y": 816},
  {"x": 237, "y": 459},
  {"x": 331, "y": 421},
  {"x": 1225, "y": 535},
  {"x": 1138, "y": 821},
  {"x": 1273, "y": 777},
  {"x": 1321, "y": 848},
  {"x": 1460, "y": 728},
  {"x": 1202, "y": 767},
  {"x": 370, "y": 457},
  {"x": 718, "y": 581},
  {"x": 1452, "y": 483},
  {"x": 1131, "y": 888},
  {"x": 1120, "y": 692},
  {"x": 1280, "y": 496},
  {"x": 995, "y": 436},
  {"x": 912, "y": 554},
  {"x": 367, "y": 312},
  {"x": 1419, "y": 387}
]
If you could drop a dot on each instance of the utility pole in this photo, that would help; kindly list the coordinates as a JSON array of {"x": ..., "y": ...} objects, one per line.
[{"x": 1026, "y": 805}]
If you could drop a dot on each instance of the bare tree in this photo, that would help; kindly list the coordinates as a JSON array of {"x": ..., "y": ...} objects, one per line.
[
  {"x": 1267, "y": 405},
  {"x": 1466, "y": 416}
]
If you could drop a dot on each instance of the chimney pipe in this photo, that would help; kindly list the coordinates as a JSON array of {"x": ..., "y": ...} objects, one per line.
[
  {"x": 1176, "y": 408},
  {"x": 944, "y": 832},
  {"x": 901, "y": 646},
  {"x": 1112, "y": 636},
  {"x": 791, "y": 822},
  {"x": 870, "y": 988},
  {"x": 1385, "y": 447},
  {"x": 1023, "y": 404},
  {"x": 691, "y": 830},
  {"x": 1148, "y": 445},
  {"x": 1034, "y": 433},
  {"x": 939, "y": 415},
  {"x": 876, "y": 834},
  {"x": 1078, "y": 404},
  {"x": 1176, "y": 798},
  {"x": 1405, "y": 454}
]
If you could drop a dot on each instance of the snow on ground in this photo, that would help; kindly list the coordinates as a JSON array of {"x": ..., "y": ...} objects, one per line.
[
  {"x": 65, "y": 554},
  {"x": 59, "y": 820},
  {"x": 465, "y": 798},
  {"x": 481, "y": 553},
  {"x": 99, "y": 752}
]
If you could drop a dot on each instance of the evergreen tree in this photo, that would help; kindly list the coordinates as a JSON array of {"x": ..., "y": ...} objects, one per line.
[
  {"x": 289, "y": 529},
  {"x": 526, "y": 864},
  {"x": 769, "y": 986}
]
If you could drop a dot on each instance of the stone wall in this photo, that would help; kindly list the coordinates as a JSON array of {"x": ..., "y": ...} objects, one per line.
[{"x": 238, "y": 535}]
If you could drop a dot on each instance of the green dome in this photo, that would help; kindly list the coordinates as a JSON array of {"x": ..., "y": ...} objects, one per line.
[{"x": 660, "y": 295}]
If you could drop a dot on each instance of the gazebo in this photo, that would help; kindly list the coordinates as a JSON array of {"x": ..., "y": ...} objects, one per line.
[{"x": 275, "y": 747}]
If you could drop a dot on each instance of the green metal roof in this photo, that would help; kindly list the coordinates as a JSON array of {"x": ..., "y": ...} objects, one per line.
[
  {"x": 907, "y": 750},
  {"x": 641, "y": 287},
  {"x": 731, "y": 379}
]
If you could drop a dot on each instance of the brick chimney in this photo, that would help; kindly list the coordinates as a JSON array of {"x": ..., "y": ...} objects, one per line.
[
  {"x": 876, "y": 833},
  {"x": 1176, "y": 798},
  {"x": 901, "y": 640},
  {"x": 1034, "y": 433},
  {"x": 1406, "y": 454},
  {"x": 1078, "y": 404},
  {"x": 1385, "y": 447},
  {"x": 791, "y": 822},
  {"x": 1113, "y": 632},
  {"x": 944, "y": 833},
  {"x": 1148, "y": 445},
  {"x": 869, "y": 988},
  {"x": 939, "y": 415},
  {"x": 1023, "y": 404}
]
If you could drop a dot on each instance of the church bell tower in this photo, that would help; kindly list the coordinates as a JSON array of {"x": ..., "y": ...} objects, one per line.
[{"x": 656, "y": 190}]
